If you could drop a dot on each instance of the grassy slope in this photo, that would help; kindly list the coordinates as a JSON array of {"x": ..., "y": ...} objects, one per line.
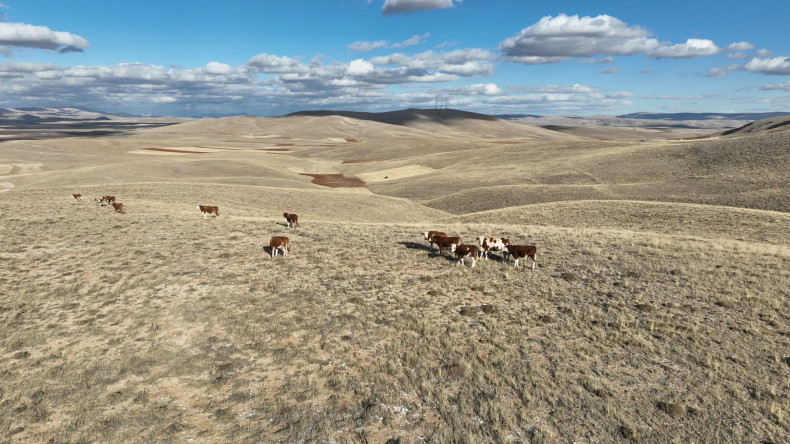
[{"x": 645, "y": 321}]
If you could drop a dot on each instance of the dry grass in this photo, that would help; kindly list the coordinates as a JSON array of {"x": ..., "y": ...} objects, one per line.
[{"x": 159, "y": 325}]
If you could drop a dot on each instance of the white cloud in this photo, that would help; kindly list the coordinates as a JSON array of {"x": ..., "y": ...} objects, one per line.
[
  {"x": 740, "y": 46},
  {"x": 692, "y": 48},
  {"x": 407, "y": 6},
  {"x": 364, "y": 46},
  {"x": 413, "y": 41},
  {"x": 763, "y": 53},
  {"x": 462, "y": 62},
  {"x": 737, "y": 56},
  {"x": 480, "y": 89},
  {"x": 267, "y": 63},
  {"x": 785, "y": 86},
  {"x": 21, "y": 35},
  {"x": 772, "y": 66},
  {"x": 218, "y": 68},
  {"x": 722, "y": 71},
  {"x": 360, "y": 67},
  {"x": 553, "y": 39}
]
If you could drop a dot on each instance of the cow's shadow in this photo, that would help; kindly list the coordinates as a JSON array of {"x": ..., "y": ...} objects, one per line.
[{"x": 432, "y": 251}]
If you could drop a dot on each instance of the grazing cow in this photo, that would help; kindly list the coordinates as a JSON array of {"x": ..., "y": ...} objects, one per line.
[
  {"x": 118, "y": 207},
  {"x": 104, "y": 200},
  {"x": 292, "y": 219},
  {"x": 206, "y": 210},
  {"x": 428, "y": 235},
  {"x": 463, "y": 251},
  {"x": 77, "y": 197},
  {"x": 278, "y": 243},
  {"x": 489, "y": 243},
  {"x": 522, "y": 251},
  {"x": 446, "y": 242}
]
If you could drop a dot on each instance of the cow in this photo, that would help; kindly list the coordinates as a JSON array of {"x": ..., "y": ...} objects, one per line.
[
  {"x": 446, "y": 242},
  {"x": 490, "y": 243},
  {"x": 118, "y": 207},
  {"x": 428, "y": 235},
  {"x": 104, "y": 200},
  {"x": 278, "y": 243},
  {"x": 206, "y": 210},
  {"x": 292, "y": 219},
  {"x": 522, "y": 251},
  {"x": 463, "y": 251},
  {"x": 77, "y": 197}
]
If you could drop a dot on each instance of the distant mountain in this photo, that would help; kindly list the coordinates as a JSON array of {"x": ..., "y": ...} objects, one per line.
[
  {"x": 702, "y": 116},
  {"x": 403, "y": 117},
  {"x": 516, "y": 116}
]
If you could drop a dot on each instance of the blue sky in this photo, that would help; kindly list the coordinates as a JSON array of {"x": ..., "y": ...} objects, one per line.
[{"x": 499, "y": 57}]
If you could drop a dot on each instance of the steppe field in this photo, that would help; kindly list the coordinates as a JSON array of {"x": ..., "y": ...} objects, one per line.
[{"x": 659, "y": 309}]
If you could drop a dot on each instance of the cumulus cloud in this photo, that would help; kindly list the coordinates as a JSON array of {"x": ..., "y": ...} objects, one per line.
[
  {"x": 692, "y": 48},
  {"x": 554, "y": 39},
  {"x": 770, "y": 66},
  {"x": 462, "y": 62},
  {"x": 413, "y": 41},
  {"x": 407, "y": 6},
  {"x": 267, "y": 63},
  {"x": 722, "y": 71},
  {"x": 22, "y": 35},
  {"x": 740, "y": 46}
]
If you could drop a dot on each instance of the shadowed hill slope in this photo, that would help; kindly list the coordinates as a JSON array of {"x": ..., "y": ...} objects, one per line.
[{"x": 779, "y": 123}]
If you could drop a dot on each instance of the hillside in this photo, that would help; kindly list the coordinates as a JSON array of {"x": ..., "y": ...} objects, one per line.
[
  {"x": 658, "y": 309},
  {"x": 778, "y": 123}
]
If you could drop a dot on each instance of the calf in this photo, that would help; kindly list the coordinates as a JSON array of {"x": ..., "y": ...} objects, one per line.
[
  {"x": 278, "y": 243},
  {"x": 522, "y": 251},
  {"x": 292, "y": 219},
  {"x": 490, "y": 243},
  {"x": 463, "y": 251},
  {"x": 428, "y": 235},
  {"x": 206, "y": 210},
  {"x": 77, "y": 197},
  {"x": 118, "y": 207},
  {"x": 446, "y": 242}
]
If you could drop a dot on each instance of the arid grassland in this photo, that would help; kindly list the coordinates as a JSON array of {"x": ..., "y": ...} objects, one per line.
[{"x": 647, "y": 319}]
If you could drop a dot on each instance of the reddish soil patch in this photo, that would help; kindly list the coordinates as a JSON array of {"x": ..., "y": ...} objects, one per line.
[
  {"x": 284, "y": 144},
  {"x": 335, "y": 180},
  {"x": 168, "y": 150},
  {"x": 273, "y": 149},
  {"x": 351, "y": 140},
  {"x": 359, "y": 160},
  {"x": 505, "y": 142}
]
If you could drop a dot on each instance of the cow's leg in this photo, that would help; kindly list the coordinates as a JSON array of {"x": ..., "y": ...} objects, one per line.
[
  {"x": 534, "y": 260},
  {"x": 473, "y": 262},
  {"x": 515, "y": 263}
]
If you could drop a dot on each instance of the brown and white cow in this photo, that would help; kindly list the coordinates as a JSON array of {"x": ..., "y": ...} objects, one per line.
[
  {"x": 428, "y": 235},
  {"x": 522, "y": 251},
  {"x": 207, "y": 209},
  {"x": 491, "y": 244},
  {"x": 278, "y": 243},
  {"x": 77, "y": 197},
  {"x": 118, "y": 207},
  {"x": 446, "y": 242},
  {"x": 463, "y": 251},
  {"x": 292, "y": 219},
  {"x": 104, "y": 200}
]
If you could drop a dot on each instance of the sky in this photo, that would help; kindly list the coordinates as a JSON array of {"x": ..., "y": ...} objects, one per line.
[{"x": 273, "y": 57}]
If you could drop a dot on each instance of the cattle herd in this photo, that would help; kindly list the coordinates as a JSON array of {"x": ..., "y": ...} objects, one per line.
[
  {"x": 485, "y": 245},
  {"x": 481, "y": 250}
]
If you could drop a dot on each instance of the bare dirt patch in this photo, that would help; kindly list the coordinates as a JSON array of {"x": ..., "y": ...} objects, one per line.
[{"x": 335, "y": 180}]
